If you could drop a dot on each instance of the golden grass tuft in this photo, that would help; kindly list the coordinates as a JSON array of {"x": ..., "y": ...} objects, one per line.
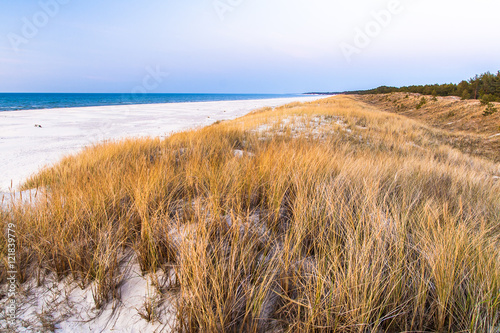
[{"x": 331, "y": 216}]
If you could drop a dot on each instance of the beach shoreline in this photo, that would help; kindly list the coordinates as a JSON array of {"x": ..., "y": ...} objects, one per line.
[{"x": 32, "y": 139}]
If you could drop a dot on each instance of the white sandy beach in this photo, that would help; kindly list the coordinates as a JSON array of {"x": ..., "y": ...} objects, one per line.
[{"x": 24, "y": 148}]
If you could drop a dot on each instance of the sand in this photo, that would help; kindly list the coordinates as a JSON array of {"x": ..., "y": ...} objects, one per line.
[{"x": 25, "y": 147}]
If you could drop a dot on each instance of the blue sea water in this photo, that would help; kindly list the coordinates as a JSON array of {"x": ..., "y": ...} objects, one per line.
[{"x": 31, "y": 101}]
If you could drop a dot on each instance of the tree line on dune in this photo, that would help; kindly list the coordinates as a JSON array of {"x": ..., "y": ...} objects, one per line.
[{"x": 485, "y": 87}]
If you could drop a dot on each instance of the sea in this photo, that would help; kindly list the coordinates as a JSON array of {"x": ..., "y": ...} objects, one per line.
[{"x": 33, "y": 101}]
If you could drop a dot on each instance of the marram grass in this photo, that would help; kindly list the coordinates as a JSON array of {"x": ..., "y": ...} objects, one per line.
[{"x": 330, "y": 216}]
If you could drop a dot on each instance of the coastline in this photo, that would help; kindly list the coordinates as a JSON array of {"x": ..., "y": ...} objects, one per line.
[{"x": 26, "y": 148}]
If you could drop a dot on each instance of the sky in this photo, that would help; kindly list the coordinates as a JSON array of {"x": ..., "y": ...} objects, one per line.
[{"x": 243, "y": 46}]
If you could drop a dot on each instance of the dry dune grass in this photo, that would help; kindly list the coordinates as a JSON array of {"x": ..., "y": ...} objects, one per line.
[
  {"x": 330, "y": 216},
  {"x": 468, "y": 128}
]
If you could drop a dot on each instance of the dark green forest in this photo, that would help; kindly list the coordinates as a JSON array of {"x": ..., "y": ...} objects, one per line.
[{"x": 485, "y": 87}]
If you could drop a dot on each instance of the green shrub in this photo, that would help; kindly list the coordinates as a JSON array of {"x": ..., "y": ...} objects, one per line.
[
  {"x": 465, "y": 95},
  {"x": 487, "y": 99},
  {"x": 421, "y": 103},
  {"x": 490, "y": 109}
]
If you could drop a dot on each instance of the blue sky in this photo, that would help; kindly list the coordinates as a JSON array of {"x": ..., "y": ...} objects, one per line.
[{"x": 243, "y": 46}]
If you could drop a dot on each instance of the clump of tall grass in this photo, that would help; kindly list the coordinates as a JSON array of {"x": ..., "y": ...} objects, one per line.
[{"x": 337, "y": 217}]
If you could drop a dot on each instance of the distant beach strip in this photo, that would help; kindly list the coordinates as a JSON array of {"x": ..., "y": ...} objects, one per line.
[{"x": 35, "y": 101}]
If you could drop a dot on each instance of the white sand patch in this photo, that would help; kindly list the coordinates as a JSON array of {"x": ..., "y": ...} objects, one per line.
[
  {"x": 25, "y": 148},
  {"x": 29, "y": 197},
  {"x": 314, "y": 127},
  {"x": 64, "y": 307}
]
